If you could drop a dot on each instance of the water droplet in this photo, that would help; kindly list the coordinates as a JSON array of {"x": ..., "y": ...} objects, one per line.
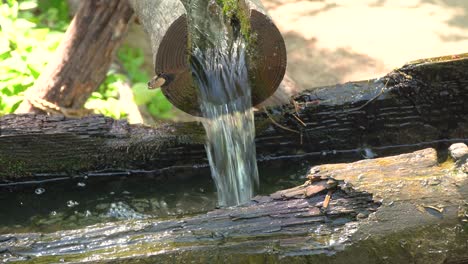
[
  {"x": 53, "y": 213},
  {"x": 81, "y": 184},
  {"x": 112, "y": 193},
  {"x": 39, "y": 191},
  {"x": 434, "y": 181},
  {"x": 87, "y": 213},
  {"x": 72, "y": 203},
  {"x": 368, "y": 153}
]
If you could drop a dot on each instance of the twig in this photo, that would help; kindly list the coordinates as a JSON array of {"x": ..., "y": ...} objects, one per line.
[
  {"x": 296, "y": 106},
  {"x": 278, "y": 125},
  {"x": 370, "y": 100},
  {"x": 300, "y": 121},
  {"x": 326, "y": 202}
]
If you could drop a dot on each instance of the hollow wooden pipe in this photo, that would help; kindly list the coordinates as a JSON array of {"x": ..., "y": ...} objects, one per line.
[{"x": 166, "y": 23}]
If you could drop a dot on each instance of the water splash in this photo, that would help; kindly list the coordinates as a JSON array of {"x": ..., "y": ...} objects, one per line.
[{"x": 220, "y": 70}]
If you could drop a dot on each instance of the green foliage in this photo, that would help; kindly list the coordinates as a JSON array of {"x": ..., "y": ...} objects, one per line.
[
  {"x": 26, "y": 43},
  {"x": 105, "y": 99},
  {"x": 133, "y": 60},
  {"x": 30, "y": 32},
  {"x": 155, "y": 101},
  {"x": 55, "y": 12}
]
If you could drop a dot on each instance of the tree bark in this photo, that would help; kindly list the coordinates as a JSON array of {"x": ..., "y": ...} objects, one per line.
[
  {"x": 82, "y": 59},
  {"x": 418, "y": 104},
  {"x": 403, "y": 209}
]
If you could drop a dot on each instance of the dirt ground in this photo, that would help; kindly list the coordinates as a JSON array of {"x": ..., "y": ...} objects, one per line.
[{"x": 334, "y": 41}]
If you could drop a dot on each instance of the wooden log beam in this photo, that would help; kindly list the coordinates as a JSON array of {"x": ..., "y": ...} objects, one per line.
[
  {"x": 419, "y": 103},
  {"x": 38, "y": 145},
  {"x": 81, "y": 61},
  {"x": 422, "y": 101},
  {"x": 403, "y": 209}
]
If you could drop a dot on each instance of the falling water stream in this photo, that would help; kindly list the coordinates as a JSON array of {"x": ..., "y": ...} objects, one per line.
[{"x": 220, "y": 71}]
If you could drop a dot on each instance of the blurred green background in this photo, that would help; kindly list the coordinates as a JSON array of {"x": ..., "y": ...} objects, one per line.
[{"x": 31, "y": 30}]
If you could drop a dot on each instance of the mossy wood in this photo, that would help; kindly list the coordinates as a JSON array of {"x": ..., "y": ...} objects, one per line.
[
  {"x": 420, "y": 103},
  {"x": 400, "y": 209},
  {"x": 81, "y": 61}
]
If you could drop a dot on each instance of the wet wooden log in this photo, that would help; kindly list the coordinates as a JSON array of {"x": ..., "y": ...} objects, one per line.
[
  {"x": 420, "y": 103},
  {"x": 82, "y": 59},
  {"x": 56, "y": 146},
  {"x": 401, "y": 209}
]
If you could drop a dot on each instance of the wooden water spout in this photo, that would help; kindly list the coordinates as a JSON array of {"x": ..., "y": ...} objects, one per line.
[{"x": 166, "y": 23}]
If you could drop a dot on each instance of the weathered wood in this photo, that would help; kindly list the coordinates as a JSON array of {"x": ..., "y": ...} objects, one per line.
[
  {"x": 419, "y": 102},
  {"x": 402, "y": 209},
  {"x": 36, "y": 144},
  {"x": 170, "y": 36},
  {"x": 416, "y": 104},
  {"x": 81, "y": 61}
]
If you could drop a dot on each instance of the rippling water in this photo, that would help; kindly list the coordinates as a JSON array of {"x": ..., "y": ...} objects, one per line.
[{"x": 220, "y": 70}]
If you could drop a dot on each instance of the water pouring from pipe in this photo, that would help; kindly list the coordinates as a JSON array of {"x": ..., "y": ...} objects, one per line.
[
  {"x": 220, "y": 71},
  {"x": 217, "y": 59}
]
